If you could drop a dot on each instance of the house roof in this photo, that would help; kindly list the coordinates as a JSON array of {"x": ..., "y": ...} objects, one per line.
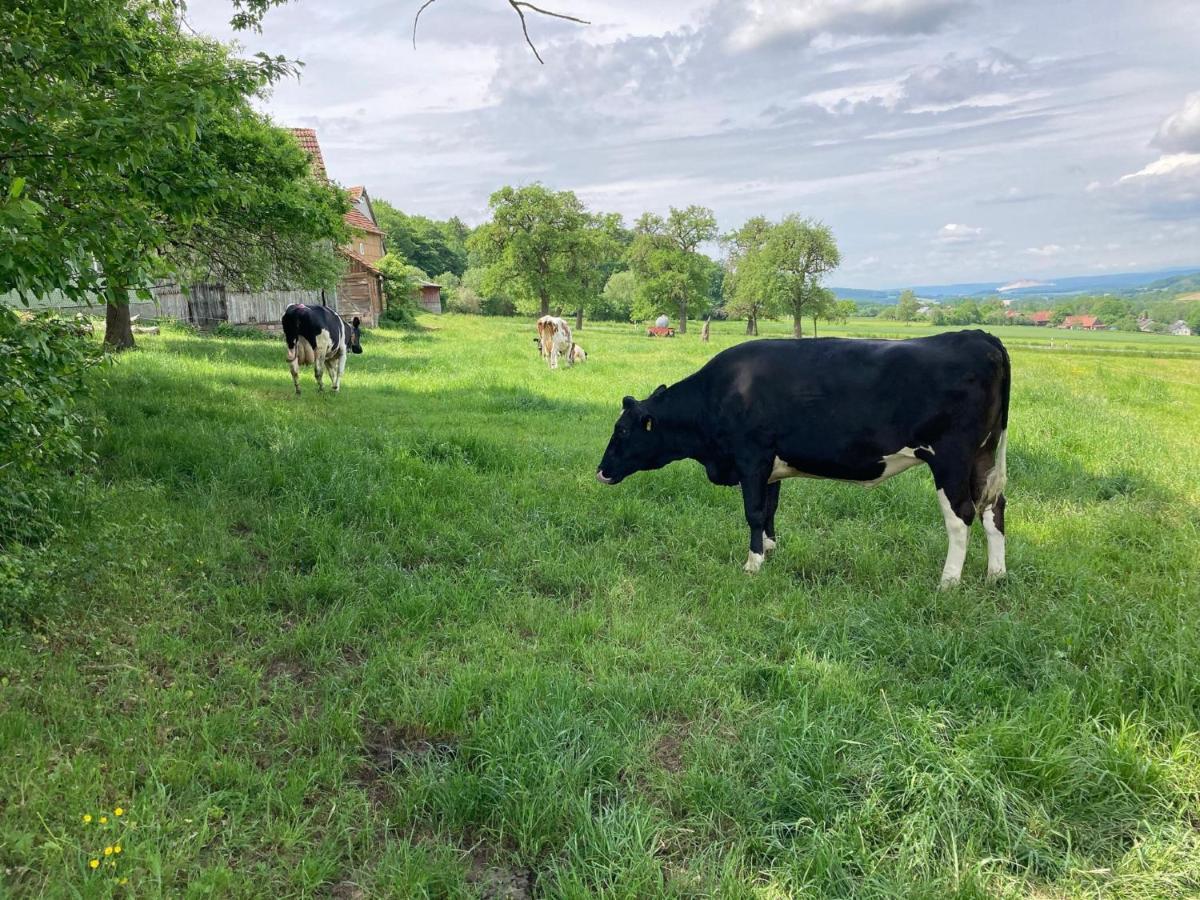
[
  {"x": 426, "y": 284},
  {"x": 1040, "y": 316},
  {"x": 355, "y": 192},
  {"x": 307, "y": 138},
  {"x": 359, "y": 222},
  {"x": 1085, "y": 321},
  {"x": 358, "y": 258}
]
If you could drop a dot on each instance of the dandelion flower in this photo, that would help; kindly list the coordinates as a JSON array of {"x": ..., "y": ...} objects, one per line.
[
  {"x": 87, "y": 817},
  {"x": 95, "y": 864},
  {"x": 104, "y": 820},
  {"x": 117, "y": 848},
  {"x": 123, "y": 881},
  {"x": 118, "y": 811},
  {"x": 108, "y": 851}
]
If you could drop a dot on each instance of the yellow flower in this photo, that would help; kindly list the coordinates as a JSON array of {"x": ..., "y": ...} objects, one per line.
[
  {"x": 123, "y": 881},
  {"x": 108, "y": 851},
  {"x": 104, "y": 820},
  {"x": 87, "y": 817},
  {"x": 117, "y": 848},
  {"x": 118, "y": 811},
  {"x": 95, "y": 863}
]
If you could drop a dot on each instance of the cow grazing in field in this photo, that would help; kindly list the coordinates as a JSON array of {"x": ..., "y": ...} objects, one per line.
[
  {"x": 317, "y": 336},
  {"x": 852, "y": 410},
  {"x": 554, "y": 339},
  {"x": 577, "y": 354}
]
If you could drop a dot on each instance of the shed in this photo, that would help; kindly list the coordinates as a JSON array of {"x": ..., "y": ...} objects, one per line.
[{"x": 431, "y": 297}]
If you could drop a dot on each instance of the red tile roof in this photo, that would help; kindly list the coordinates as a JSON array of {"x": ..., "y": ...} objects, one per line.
[
  {"x": 358, "y": 258},
  {"x": 360, "y": 222},
  {"x": 1081, "y": 321},
  {"x": 355, "y": 192},
  {"x": 308, "y": 141},
  {"x": 1041, "y": 316}
]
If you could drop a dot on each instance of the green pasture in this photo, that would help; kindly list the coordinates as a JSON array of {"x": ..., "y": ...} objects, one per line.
[{"x": 400, "y": 643}]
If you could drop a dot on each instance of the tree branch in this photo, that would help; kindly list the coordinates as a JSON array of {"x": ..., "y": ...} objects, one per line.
[{"x": 517, "y": 8}]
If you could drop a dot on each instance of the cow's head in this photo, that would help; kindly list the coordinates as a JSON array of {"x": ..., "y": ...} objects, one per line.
[
  {"x": 355, "y": 336},
  {"x": 636, "y": 444}
]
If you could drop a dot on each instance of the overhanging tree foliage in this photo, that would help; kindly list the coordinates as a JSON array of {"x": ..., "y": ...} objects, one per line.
[{"x": 129, "y": 151}]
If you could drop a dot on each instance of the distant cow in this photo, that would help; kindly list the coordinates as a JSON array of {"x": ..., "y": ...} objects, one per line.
[
  {"x": 578, "y": 354},
  {"x": 317, "y": 336},
  {"x": 554, "y": 339},
  {"x": 853, "y": 410}
]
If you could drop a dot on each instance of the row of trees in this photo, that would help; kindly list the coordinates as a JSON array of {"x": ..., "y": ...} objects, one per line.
[{"x": 543, "y": 251}]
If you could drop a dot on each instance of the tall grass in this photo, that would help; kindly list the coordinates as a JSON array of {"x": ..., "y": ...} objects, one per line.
[{"x": 399, "y": 642}]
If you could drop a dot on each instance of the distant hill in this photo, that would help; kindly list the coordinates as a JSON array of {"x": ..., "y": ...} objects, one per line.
[{"x": 1181, "y": 279}]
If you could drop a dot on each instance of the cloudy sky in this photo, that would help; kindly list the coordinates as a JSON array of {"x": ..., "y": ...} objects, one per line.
[{"x": 943, "y": 140}]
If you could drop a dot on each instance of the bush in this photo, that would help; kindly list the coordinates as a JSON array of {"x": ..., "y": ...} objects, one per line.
[
  {"x": 401, "y": 315},
  {"x": 44, "y": 361},
  {"x": 228, "y": 329}
]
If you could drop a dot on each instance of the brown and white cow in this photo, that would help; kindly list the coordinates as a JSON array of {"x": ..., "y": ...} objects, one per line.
[{"x": 554, "y": 338}]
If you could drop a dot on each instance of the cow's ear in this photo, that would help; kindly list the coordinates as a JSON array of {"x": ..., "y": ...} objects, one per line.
[
  {"x": 356, "y": 322},
  {"x": 628, "y": 402},
  {"x": 658, "y": 390}
]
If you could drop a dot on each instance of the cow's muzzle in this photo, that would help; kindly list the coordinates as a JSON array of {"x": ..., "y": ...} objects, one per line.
[{"x": 603, "y": 479}]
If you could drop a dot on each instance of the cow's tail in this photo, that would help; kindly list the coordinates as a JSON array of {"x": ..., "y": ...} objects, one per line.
[{"x": 997, "y": 475}]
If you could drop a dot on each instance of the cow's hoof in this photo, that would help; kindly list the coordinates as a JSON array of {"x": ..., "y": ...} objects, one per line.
[
  {"x": 947, "y": 583},
  {"x": 753, "y": 563},
  {"x": 769, "y": 544},
  {"x": 996, "y": 575}
]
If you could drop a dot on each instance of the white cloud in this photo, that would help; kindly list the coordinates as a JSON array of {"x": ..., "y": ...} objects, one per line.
[
  {"x": 1180, "y": 133},
  {"x": 957, "y": 233},
  {"x": 1045, "y": 250},
  {"x": 766, "y": 21},
  {"x": 1167, "y": 188}
]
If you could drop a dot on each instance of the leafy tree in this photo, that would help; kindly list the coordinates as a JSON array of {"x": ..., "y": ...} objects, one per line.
[
  {"x": 965, "y": 313},
  {"x": 430, "y": 245},
  {"x": 495, "y": 302},
  {"x": 532, "y": 245},
  {"x": 129, "y": 151},
  {"x": 746, "y": 293},
  {"x": 843, "y": 310},
  {"x": 593, "y": 256},
  {"x": 906, "y": 308},
  {"x": 1059, "y": 315},
  {"x": 401, "y": 282},
  {"x": 619, "y": 297},
  {"x": 797, "y": 254},
  {"x": 671, "y": 273}
]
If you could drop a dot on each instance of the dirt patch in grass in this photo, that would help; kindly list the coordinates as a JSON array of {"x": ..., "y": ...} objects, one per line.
[
  {"x": 497, "y": 881},
  {"x": 669, "y": 748},
  {"x": 392, "y": 747}
]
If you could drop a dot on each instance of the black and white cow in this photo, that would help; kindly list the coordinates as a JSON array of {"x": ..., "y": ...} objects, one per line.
[
  {"x": 852, "y": 410},
  {"x": 317, "y": 336}
]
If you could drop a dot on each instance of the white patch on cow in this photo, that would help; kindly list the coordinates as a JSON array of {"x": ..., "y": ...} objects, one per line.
[
  {"x": 997, "y": 478},
  {"x": 893, "y": 464},
  {"x": 995, "y": 544},
  {"x": 324, "y": 342},
  {"x": 754, "y": 562},
  {"x": 957, "y": 532},
  {"x": 769, "y": 544}
]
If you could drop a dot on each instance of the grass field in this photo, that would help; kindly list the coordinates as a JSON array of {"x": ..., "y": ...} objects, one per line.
[{"x": 400, "y": 643}]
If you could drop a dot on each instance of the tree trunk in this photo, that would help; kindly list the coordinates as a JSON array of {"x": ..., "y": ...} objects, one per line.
[
  {"x": 814, "y": 325},
  {"x": 683, "y": 317},
  {"x": 752, "y": 325},
  {"x": 118, "y": 328},
  {"x": 545, "y": 305},
  {"x": 704, "y": 330},
  {"x": 798, "y": 324},
  {"x": 579, "y": 319}
]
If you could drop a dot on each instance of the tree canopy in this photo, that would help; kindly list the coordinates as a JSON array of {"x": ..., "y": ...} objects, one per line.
[
  {"x": 428, "y": 244},
  {"x": 129, "y": 151},
  {"x": 673, "y": 277}
]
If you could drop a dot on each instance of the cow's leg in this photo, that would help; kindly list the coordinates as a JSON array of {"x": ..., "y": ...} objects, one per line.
[
  {"x": 993, "y": 527},
  {"x": 772, "y": 504},
  {"x": 336, "y": 368},
  {"x": 318, "y": 372},
  {"x": 952, "y": 477},
  {"x": 294, "y": 365},
  {"x": 991, "y": 477},
  {"x": 554, "y": 356},
  {"x": 754, "y": 499}
]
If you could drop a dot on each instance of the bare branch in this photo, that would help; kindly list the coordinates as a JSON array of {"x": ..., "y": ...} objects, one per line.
[
  {"x": 417, "y": 18},
  {"x": 517, "y": 8}
]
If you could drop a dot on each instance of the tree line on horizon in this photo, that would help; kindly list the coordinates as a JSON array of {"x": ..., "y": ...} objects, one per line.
[{"x": 543, "y": 251}]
